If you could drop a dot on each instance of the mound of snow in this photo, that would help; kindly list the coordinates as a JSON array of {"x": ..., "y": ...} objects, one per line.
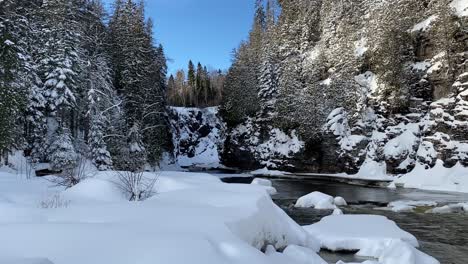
[
  {"x": 320, "y": 200},
  {"x": 355, "y": 232},
  {"x": 95, "y": 190}
]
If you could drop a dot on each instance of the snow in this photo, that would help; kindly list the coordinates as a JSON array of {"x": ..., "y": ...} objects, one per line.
[
  {"x": 262, "y": 182},
  {"x": 193, "y": 213},
  {"x": 372, "y": 236},
  {"x": 267, "y": 172},
  {"x": 337, "y": 212},
  {"x": 361, "y": 47},
  {"x": 438, "y": 178},
  {"x": 421, "y": 65},
  {"x": 340, "y": 201},
  {"x": 451, "y": 208},
  {"x": 354, "y": 232},
  {"x": 460, "y": 6},
  {"x": 303, "y": 255},
  {"x": 266, "y": 183},
  {"x": 408, "y": 206},
  {"x": 397, "y": 252},
  {"x": 401, "y": 145},
  {"x": 319, "y": 200},
  {"x": 425, "y": 24},
  {"x": 368, "y": 80},
  {"x": 372, "y": 170}
]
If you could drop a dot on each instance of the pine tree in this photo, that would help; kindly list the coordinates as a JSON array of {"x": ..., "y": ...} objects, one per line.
[
  {"x": 62, "y": 153},
  {"x": 13, "y": 80},
  {"x": 137, "y": 156}
]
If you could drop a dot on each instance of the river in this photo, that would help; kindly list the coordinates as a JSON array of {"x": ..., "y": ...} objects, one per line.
[{"x": 444, "y": 237}]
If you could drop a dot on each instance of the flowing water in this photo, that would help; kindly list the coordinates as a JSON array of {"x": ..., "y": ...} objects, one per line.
[{"x": 444, "y": 237}]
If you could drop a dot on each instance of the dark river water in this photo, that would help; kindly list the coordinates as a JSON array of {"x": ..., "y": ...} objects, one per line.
[{"x": 444, "y": 237}]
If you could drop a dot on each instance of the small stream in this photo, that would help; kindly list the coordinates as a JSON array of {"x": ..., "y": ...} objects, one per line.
[{"x": 444, "y": 237}]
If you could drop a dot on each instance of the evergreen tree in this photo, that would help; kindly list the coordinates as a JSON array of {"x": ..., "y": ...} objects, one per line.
[{"x": 12, "y": 97}]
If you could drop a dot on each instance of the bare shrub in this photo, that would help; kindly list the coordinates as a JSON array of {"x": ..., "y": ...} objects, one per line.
[
  {"x": 71, "y": 177},
  {"x": 135, "y": 185},
  {"x": 56, "y": 201}
]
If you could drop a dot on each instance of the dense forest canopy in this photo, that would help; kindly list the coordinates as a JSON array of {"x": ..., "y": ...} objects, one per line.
[{"x": 72, "y": 84}]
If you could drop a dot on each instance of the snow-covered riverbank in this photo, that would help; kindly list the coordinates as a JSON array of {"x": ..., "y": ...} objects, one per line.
[{"x": 92, "y": 222}]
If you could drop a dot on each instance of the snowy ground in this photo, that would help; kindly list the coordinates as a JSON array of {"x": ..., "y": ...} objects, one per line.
[
  {"x": 194, "y": 213},
  {"x": 211, "y": 222}
]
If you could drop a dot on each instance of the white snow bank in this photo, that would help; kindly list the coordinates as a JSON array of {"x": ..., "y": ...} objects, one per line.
[
  {"x": 460, "y": 6},
  {"x": 437, "y": 178},
  {"x": 319, "y": 200},
  {"x": 408, "y": 206},
  {"x": 209, "y": 221}
]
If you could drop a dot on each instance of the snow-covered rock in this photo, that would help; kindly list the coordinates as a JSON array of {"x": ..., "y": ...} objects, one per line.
[
  {"x": 316, "y": 200},
  {"x": 340, "y": 201},
  {"x": 372, "y": 236},
  {"x": 354, "y": 232},
  {"x": 320, "y": 200}
]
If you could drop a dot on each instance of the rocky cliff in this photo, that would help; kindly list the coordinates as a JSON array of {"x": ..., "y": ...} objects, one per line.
[{"x": 384, "y": 85}]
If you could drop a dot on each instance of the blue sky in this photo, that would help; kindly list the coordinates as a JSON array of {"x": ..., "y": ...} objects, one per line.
[{"x": 200, "y": 30}]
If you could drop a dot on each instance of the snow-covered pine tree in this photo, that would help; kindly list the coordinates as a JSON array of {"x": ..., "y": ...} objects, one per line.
[
  {"x": 13, "y": 80},
  {"x": 62, "y": 153},
  {"x": 268, "y": 82},
  {"x": 137, "y": 155}
]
